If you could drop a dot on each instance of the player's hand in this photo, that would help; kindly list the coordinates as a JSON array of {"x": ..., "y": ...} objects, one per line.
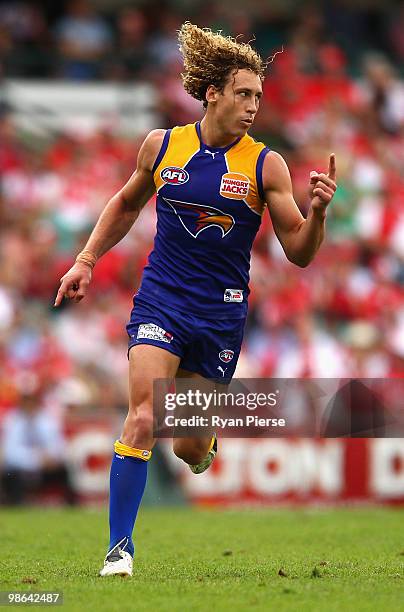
[
  {"x": 323, "y": 186},
  {"x": 74, "y": 284}
]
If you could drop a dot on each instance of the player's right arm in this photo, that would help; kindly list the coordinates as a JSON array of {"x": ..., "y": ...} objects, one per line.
[
  {"x": 116, "y": 219},
  {"x": 300, "y": 238}
]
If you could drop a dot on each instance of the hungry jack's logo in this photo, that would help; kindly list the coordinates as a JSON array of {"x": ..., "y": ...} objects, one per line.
[
  {"x": 201, "y": 217},
  {"x": 234, "y": 186}
]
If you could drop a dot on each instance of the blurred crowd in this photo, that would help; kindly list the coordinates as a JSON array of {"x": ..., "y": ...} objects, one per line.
[
  {"x": 343, "y": 316},
  {"x": 75, "y": 39}
]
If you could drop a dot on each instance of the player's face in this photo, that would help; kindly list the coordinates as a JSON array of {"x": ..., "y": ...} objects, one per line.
[{"x": 239, "y": 101}]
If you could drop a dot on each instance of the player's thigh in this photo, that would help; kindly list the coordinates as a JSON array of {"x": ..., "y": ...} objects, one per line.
[
  {"x": 193, "y": 446},
  {"x": 146, "y": 363}
]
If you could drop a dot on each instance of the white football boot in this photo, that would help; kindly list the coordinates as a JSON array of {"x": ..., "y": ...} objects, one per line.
[{"x": 117, "y": 562}]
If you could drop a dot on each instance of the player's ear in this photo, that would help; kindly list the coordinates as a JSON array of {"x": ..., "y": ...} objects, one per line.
[{"x": 211, "y": 94}]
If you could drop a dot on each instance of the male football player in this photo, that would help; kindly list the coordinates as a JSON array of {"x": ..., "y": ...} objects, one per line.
[{"x": 213, "y": 184}]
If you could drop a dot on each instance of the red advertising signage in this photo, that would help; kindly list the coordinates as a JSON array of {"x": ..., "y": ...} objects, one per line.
[
  {"x": 258, "y": 471},
  {"x": 302, "y": 470}
]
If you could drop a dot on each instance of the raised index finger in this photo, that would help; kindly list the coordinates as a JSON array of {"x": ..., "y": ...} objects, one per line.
[{"x": 332, "y": 168}]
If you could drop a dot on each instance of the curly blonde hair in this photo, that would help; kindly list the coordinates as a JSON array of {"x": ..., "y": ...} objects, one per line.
[{"x": 209, "y": 57}]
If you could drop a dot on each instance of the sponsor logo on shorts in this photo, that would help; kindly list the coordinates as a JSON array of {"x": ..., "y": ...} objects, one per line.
[
  {"x": 226, "y": 355},
  {"x": 234, "y": 186},
  {"x": 233, "y": 295},
  {"x": 174, "y": 175},
  {"x": 153, "y": 332}
]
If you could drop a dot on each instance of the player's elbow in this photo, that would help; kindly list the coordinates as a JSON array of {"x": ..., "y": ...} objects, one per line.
[
  {"x": 124, "y": 207},
  {"x": 302, "y": 260},
  {"x": 300, "y": 253}
]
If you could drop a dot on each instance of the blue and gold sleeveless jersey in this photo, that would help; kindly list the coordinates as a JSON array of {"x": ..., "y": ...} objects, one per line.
[{"x": 209, "y": 207}]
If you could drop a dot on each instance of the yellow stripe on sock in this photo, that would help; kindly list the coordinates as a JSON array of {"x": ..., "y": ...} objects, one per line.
[{"x": 129, "y": 451}]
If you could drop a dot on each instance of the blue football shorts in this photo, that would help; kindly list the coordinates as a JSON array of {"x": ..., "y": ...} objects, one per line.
[{"x": 208, "y": 347}]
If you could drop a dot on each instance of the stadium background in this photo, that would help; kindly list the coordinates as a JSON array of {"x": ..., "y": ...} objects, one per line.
[{"x": 80, "y": 85}]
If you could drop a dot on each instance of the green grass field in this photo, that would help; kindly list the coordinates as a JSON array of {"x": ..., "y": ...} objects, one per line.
[{"x": 207, "y": 560}]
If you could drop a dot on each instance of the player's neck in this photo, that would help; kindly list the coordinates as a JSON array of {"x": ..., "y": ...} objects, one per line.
[{"x": 213, "y": 136}]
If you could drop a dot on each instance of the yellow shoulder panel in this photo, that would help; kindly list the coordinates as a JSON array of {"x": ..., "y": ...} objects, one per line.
[
  {"x": 183, "y": 145},
  {"x": 242, "y": 159}
]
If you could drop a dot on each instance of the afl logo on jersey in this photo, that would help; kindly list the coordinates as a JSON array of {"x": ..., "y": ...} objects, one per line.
[
  {"x": 234, "y": 186},
  {"x": 226, "y": 355},
  {"x": 174, "y": 175}
]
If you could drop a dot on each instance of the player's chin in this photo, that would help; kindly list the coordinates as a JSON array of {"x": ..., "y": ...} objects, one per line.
[{"x": 245, "y": 126}]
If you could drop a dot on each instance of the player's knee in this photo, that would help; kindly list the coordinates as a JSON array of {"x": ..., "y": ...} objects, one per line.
[
  {"x": 138, "y": 428},
  {"x": 190, "y": 453}
]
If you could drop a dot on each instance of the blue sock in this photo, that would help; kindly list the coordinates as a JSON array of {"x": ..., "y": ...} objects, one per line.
[{"x": 127, "y": 484}]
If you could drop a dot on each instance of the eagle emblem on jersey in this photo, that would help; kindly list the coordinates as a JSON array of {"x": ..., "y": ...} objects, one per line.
[{"x": 203, "y": 217}]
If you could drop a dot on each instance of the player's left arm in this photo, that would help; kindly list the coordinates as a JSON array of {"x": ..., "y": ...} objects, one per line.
[{"x": 300, "y": 238}]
